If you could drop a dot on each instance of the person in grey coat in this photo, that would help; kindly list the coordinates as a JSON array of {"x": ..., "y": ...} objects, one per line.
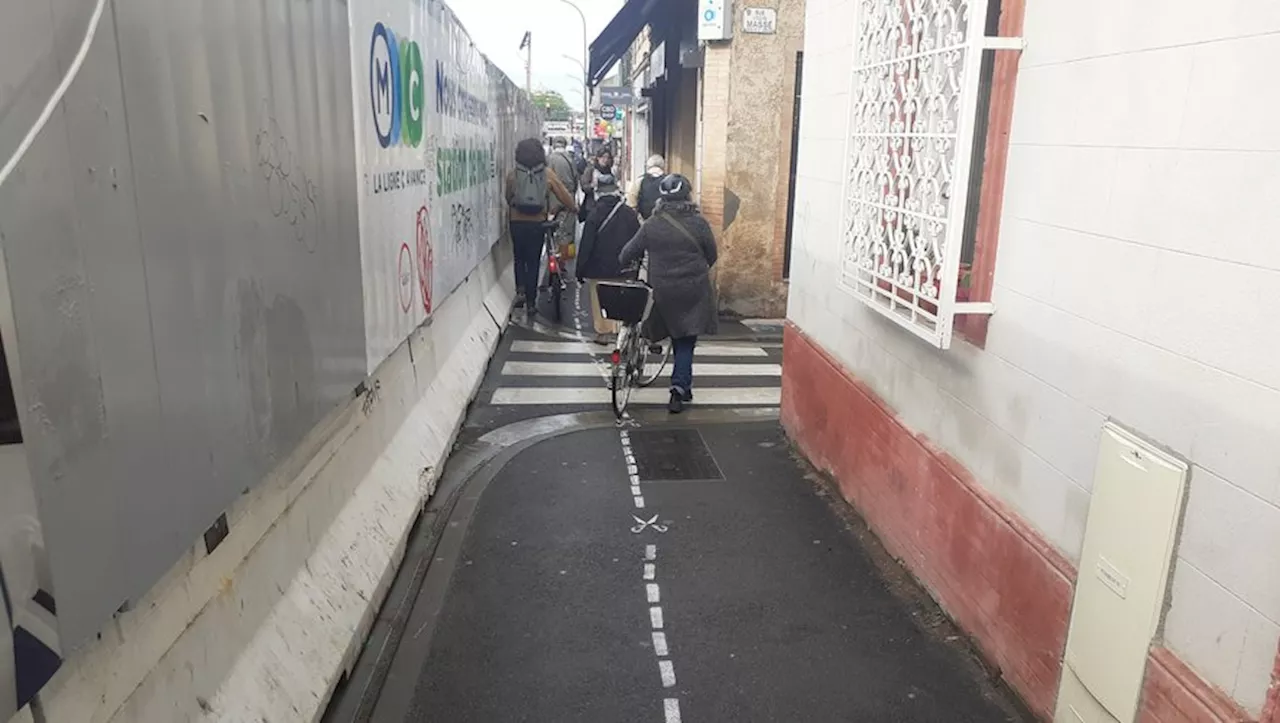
[{"x": 682, "y": 250}]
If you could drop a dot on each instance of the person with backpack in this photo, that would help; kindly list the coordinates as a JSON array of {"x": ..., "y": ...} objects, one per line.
[
  {"x": 529, "y": 192},
  {"x": 682, "y": 250},
  {"x": 644, "y": 193},
  {"x": 562, "y": 165},
  {"x": 608, "y": 228}
]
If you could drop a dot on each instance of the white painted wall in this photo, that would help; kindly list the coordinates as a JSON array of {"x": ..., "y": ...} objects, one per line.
[{"x": 1137, "y": 279}]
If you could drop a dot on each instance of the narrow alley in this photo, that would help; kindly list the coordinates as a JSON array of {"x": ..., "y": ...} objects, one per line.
[
  {"x": 967, "y": 414},
  {"x": 663, "y": 568}
]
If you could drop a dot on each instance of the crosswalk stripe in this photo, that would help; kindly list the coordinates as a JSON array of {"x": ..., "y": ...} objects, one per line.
[
  {"x": 577, "y": 347},
  {"x": 718, "y": 396},
  {"x": 589, "y": 369}
]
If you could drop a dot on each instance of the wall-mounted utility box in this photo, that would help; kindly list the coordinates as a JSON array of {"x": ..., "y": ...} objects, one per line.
[{"x": 1134, "y": 514}]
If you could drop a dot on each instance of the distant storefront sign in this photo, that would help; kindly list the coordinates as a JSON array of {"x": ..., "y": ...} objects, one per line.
[
  {"x": 658, "y": 62},
  {"x": 607, "y": 112},
  {"x": 760, "y": 21},
  {"x": 619, "y": 96},
  {"x": 552, "y": 128}
]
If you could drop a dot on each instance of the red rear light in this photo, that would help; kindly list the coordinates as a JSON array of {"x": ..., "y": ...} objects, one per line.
[
  {"x": 553, "y": 265},
  {"x": 616, "y": 357}
]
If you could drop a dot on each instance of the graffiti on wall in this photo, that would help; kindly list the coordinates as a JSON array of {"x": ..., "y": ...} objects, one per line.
[{"x": 291, "y": 194}]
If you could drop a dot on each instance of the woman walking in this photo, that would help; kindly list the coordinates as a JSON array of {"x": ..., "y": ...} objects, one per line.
[
  {"x": 608, "y": 228},
  {"x": 601, "y": 165},
  {"x": 529, "y": 190},
  {"x": 681, "y": 251}
]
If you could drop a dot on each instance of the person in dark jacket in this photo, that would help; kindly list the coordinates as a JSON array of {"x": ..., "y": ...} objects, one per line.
[
  {"x": 644, "y": 192},
  {"x": 682, "y": 250},
  {"x": 608, "y": 228}
]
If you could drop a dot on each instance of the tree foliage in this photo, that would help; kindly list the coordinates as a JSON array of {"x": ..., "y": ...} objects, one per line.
[{"x": 552, "y": 104}]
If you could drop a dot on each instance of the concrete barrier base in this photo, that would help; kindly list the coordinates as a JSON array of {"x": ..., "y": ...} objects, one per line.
[{"x": 263, "y": 627}]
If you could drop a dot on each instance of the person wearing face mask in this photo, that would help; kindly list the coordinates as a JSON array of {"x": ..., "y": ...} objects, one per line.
[{"x": 602, "y": 164}]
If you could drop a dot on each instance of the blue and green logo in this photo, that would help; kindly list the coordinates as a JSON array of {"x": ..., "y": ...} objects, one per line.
[{"x": 396, "y": 93}]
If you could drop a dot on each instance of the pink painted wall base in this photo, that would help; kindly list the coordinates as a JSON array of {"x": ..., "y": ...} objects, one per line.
[{"x": 1001, "y": 581}]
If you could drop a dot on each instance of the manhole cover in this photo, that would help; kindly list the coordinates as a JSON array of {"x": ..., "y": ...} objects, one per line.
[{"x": 677, "y": 454}]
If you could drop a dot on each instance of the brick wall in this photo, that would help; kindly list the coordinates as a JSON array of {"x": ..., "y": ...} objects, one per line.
[{"x": 715, "y": 128}]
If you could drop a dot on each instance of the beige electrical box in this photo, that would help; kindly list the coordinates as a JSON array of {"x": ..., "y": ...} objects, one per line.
[{"x": 1138, "y": 493}]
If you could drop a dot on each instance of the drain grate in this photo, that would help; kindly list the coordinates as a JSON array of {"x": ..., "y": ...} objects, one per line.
[{"x": 673, "y": 455}]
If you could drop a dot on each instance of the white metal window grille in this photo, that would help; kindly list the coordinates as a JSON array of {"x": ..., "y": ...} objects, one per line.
[{"x": 912, "y": 112}]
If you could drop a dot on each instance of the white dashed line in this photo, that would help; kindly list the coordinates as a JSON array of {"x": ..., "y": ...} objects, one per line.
[
  {"x": 660, "y": 645},
  {"x": 667, "y": 670},
  {"x": 653, "y": 595},
  {"x": 655, "y": 617}
]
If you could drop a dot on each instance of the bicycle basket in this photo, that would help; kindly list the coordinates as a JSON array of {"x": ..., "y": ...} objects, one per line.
[{"x": 624, "y": 301}]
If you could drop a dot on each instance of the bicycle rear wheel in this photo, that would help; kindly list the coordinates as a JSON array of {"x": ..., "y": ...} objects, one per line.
[
  {"x": 620, "y": 387},
  {"x": 654, "y": 362},
  {"x": 623, "y": 378},
  {"x": 557, "y": 292}
]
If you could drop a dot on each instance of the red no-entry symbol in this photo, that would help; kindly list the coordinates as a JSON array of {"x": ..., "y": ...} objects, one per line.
[{"x": 425, "y": 260}]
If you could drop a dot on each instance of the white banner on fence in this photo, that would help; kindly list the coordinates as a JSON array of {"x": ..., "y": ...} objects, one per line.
[{"x": 427, "y": 137}]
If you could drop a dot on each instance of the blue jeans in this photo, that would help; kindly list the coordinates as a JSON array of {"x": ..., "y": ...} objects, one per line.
[{"x": 682, "y": 365}]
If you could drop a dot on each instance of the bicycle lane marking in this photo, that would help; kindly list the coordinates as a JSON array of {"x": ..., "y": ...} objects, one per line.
[{"x": 653, "y": 594}]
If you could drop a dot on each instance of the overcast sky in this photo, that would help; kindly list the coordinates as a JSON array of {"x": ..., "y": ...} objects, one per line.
[{"x": 496, "y": 26}]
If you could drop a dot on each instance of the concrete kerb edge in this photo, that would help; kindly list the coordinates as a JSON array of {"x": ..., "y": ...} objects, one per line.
[
  {"x": 449, "y": 484},
  {"x": 481, "y": 462}
]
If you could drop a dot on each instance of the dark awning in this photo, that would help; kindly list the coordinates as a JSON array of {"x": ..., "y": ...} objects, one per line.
[{"x": 618, "y": 36}]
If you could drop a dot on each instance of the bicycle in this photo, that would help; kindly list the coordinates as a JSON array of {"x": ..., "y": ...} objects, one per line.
[
  {"x": 636, "y": 361},
  {"x": 554, "y": 268}
]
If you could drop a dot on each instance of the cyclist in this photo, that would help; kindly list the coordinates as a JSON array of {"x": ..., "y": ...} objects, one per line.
[
  {"x": 529, "y": 190},
  {"x": 681, "y": 251},
  {"x": 608, "y": 228},
  {"x": 561, "y": 164}
]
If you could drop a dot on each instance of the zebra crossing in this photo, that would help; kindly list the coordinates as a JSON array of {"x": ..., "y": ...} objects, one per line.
[{"x": 576, "y": 373}]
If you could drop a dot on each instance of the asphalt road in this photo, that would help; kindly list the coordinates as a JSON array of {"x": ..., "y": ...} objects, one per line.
[{"x": 671, "y": 570}]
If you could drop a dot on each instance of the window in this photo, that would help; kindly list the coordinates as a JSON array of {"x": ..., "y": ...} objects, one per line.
[{"x": 922, "y": 89}]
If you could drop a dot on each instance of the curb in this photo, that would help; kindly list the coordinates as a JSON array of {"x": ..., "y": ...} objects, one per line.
[{"x": 467, "y": 472}]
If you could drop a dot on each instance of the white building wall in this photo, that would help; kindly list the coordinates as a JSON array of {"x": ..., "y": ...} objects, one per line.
[{"x": 1137, "y": 279}]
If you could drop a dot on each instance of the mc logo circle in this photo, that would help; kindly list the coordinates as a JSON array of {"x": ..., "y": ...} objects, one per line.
[{"x": 396, "y": 93}]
